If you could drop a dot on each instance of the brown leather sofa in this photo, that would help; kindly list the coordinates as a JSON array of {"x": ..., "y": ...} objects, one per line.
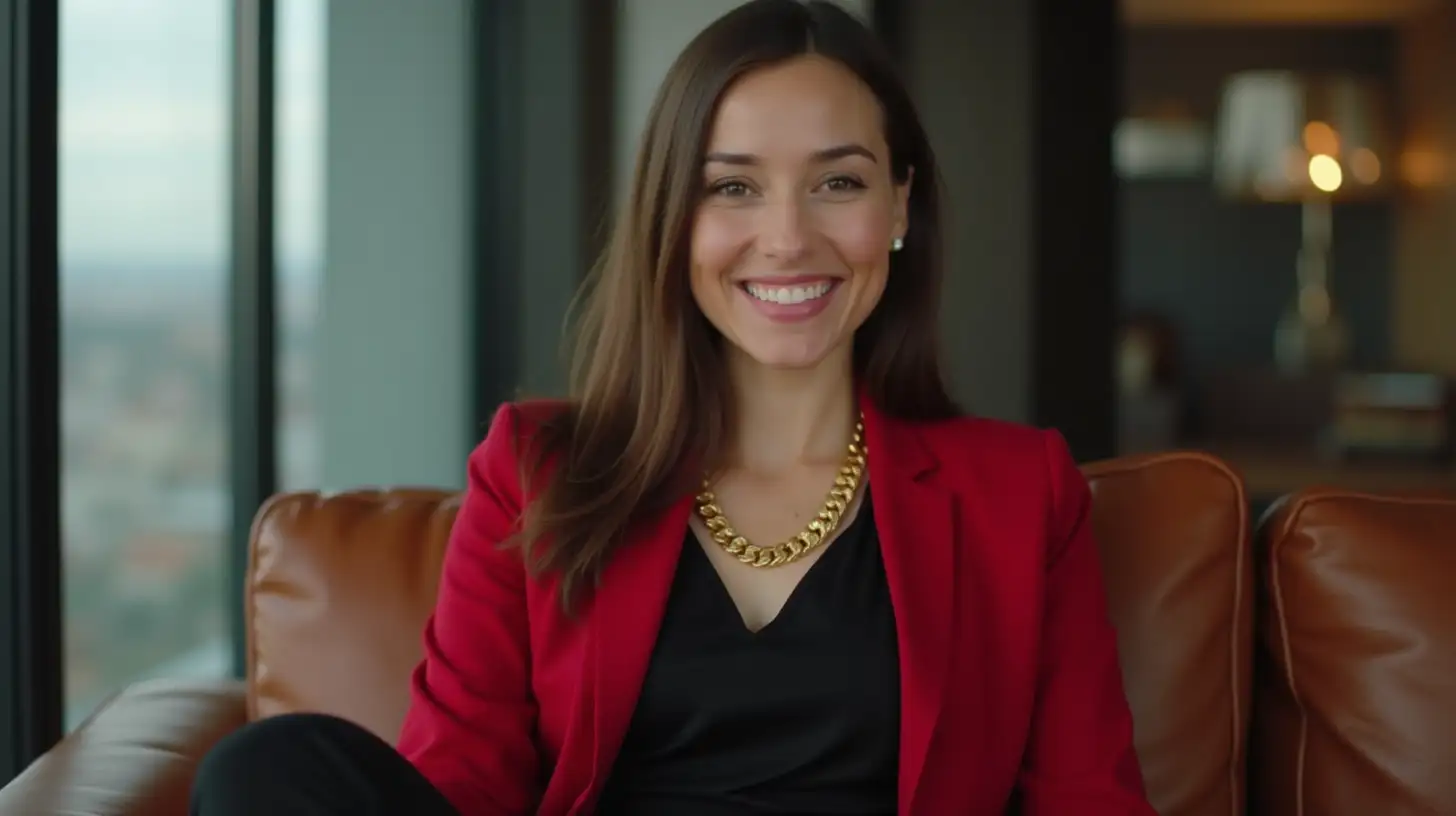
[{"x": 1308, "y": 675}]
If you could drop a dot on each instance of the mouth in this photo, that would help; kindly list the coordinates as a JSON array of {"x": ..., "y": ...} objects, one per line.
[
  {"x": 789, "y": 294},
  {"x": 790, "y": 301}
]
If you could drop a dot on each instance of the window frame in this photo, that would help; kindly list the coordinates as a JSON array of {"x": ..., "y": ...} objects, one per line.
[
  {"x": 30, "y": 535},
  {"x": 252, "y": 301},
  {"x": 32, "y": 679}
]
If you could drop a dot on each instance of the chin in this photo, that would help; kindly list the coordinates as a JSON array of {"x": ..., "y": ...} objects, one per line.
[{"x": 787, "y": 357}]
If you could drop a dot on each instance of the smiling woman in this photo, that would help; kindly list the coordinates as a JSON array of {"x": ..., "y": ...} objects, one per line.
[{"x": 757, "y": 562}]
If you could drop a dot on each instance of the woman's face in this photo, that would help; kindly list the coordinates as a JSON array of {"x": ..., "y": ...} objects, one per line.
[{"x": 791, "y": 240}]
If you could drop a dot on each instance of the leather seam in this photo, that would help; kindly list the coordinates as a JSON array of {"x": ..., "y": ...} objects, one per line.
[
  {"x": 261, "y": 519},
  {"x": 1238, "y": 756},
  {"x": 1139, "y": 462},
  {"x": 1323, "y": 495},
  {"x": 1282, "y": 619},
  {"x": 1302, "y": 502},
  {"x": 1237, "y": 759}
]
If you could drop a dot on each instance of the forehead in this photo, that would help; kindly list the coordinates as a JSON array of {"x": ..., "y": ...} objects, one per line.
[{"x": 798, "y": 106}]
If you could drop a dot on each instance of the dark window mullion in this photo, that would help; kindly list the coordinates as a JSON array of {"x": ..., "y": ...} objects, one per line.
[
  {"x": 30, "y": 536},
  {"x": 251, "y": 304},
  {"x": 495, "y": 314}
]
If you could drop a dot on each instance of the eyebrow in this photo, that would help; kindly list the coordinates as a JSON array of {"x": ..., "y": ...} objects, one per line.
[{"x": 828, "y": 154}]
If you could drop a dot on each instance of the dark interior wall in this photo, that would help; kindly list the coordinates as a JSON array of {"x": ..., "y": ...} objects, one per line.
[
  {"x": 1019, "y": 100},
  {"x": 1425, "y": 282},
  {"x": 1224, "y": 271}
]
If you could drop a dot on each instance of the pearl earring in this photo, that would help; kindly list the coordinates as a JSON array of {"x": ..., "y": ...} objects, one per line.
[{"x": 897, "y": 244}]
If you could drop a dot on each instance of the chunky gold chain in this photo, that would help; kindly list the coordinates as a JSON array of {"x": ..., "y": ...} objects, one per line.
[{"x": 818, "y": 531}]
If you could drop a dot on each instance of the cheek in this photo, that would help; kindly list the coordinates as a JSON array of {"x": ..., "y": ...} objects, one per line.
[
  {"x": 718, "y": 239},
  {"x": 861, "y": 237}
]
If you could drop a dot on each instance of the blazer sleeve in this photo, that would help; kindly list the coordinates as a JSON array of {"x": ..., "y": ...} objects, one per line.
[
  {"x": 1080, "y": 757},
  {"x": 472, "y": 716}
]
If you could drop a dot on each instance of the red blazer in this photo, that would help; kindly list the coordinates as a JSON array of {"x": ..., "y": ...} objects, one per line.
[{"x": 1009, "y": 671}]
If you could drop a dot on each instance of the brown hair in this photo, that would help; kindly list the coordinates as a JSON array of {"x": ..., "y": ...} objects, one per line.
[{"x": 650, "y": 405}]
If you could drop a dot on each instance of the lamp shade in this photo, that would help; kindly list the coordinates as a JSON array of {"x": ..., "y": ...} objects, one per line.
[{"x": 1284, "y": 136}]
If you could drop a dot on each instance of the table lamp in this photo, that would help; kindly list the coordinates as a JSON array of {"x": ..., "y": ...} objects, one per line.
[{"x": 1286, "y": 137}]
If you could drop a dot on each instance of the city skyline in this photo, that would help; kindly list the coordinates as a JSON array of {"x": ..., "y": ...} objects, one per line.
[{"x": 144, "y": 160}]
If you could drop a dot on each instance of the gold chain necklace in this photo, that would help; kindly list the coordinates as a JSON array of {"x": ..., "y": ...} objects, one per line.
[{"x": 818, "y": 531}]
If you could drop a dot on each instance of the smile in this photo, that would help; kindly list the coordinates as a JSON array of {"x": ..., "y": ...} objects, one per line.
[{"x": 788, "y": 295}]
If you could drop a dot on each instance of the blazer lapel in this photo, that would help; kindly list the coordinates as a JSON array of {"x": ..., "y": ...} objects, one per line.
[
  {"x": 916, "y": 523},
  {"x": 625, "y": 618}
]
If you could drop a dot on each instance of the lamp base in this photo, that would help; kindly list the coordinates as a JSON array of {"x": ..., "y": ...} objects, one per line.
[
  {"x": 1302, "y": 345},
  {"x": 1311, "y": 336}
]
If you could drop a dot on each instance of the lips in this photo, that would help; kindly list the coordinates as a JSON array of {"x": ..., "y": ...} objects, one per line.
[{"x": 790, "y": 300}]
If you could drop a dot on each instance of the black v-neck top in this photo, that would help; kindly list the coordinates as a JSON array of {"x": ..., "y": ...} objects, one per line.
[{"x": 801, "y": 717}]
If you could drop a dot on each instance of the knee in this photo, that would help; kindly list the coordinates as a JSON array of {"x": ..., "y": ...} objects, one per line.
[{"x": 259, "y": 750}]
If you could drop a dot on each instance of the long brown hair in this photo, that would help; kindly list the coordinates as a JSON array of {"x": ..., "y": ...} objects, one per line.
[{"x": 650, "y": 404}]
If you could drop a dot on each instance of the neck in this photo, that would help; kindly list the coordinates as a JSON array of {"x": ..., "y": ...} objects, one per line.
[{"x": 788, "y": 417}]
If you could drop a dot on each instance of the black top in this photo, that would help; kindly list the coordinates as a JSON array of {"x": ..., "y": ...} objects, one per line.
[{"x": 802, "y": 717}]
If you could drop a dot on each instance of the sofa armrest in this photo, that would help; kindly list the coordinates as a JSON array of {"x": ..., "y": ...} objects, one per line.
[{"x": 135, "y": 756}]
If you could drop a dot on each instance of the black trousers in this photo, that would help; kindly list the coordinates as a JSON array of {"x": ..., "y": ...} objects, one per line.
[{"x": 310, "y": 765}]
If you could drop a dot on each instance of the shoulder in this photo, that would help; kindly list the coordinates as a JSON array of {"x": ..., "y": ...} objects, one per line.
[
  {"x": 518, "y": 419},
  {"x": 497, "y": 460},
  {"x": 989, "y": 436},
  {"x": 515, "y": 424},
  {"x": 993, "y": 456},
  {"x": 986, "y": 442}
]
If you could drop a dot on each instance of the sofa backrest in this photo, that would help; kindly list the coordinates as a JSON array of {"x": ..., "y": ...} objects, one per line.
[
  {"x": 337, "y": 593},
  {"x": 1173, "y": 533},
  {"x": 1355, "y": 700},
  {"x": 340, "y": 586}
]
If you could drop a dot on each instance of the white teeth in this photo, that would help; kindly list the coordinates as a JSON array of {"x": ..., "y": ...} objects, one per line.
[{"x": 788, "y": 295}]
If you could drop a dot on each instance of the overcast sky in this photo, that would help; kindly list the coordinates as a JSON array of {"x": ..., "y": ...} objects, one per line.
[{"x": 144, "y": 150}]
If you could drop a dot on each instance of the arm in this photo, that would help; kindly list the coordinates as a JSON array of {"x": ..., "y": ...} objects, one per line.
[
  {"x": 1080, "y": 757},
  {"x": 472, "y": 717}
]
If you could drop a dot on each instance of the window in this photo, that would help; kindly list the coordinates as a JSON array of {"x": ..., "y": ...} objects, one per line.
[{"x": 144, "y": 252}]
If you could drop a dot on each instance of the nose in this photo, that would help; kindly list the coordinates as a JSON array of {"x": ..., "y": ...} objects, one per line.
[{"x": 784, "y": 231}]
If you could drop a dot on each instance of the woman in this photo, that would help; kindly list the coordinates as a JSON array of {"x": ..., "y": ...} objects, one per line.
[{"x": 649, "y": 605}]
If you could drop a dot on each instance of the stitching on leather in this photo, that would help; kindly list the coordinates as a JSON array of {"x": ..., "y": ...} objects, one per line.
[
  {"x": 1285, "y": 531},
  {"x": 1323, "y": 495},
  {"x": 1238, "y": 757},
  {"x": 250, "y": 651},
  {"x": 1138, "y": 462}
]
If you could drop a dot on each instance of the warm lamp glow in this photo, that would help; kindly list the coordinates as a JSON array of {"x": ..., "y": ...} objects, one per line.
[
  {"x": 1424, "y": 168},
  {"x": 1365, "y": 166},
  {"x": 1287, "y": 137},
  {"x": 1325, "y": 173},
  {"x": 1283, "y": 136},
  {"x": 1319, "y": 137}
]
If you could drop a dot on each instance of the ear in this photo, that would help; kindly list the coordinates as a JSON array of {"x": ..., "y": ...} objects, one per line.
[{"x": 902, "y": 204}]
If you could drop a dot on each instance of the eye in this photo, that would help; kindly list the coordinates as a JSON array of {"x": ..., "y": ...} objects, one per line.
[
  {"x": 843, "y": 184},
  {"x": 729, "y": 188}
]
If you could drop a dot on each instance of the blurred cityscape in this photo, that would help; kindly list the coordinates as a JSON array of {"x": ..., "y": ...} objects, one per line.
[
  {"x": 146, "y": 509},
  {"x": 145, "y": 150}
]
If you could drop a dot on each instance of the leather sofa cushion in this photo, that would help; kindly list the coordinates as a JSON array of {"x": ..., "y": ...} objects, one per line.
[
  {"x": 1354, "y": 708},
  {"x": 1173, "y": 533},
  {"x": 339, "y": 588}
]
